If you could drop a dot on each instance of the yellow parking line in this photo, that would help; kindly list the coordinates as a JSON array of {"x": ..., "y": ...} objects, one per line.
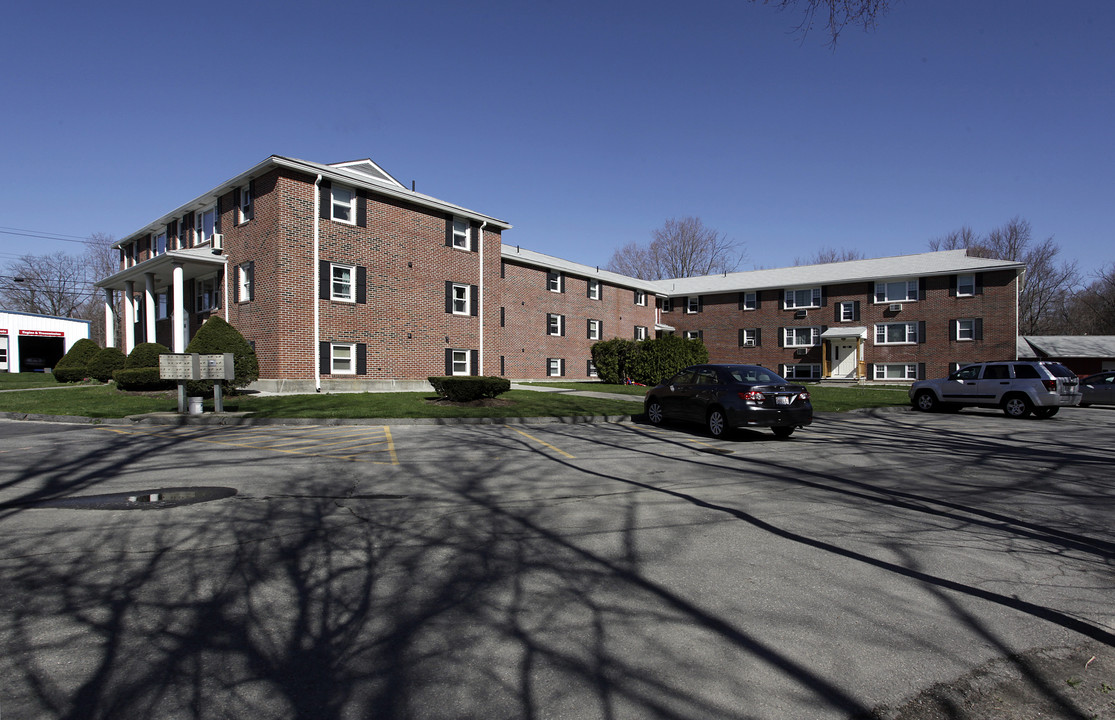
[{"x": 543, "y": 443}]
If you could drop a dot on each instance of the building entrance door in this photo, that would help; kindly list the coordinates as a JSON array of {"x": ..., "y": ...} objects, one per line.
[{"x": 844, "y": 357}]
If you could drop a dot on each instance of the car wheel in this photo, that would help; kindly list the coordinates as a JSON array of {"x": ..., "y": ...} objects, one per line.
[
  {"x": 1045, "y": 413},
  {"x": 717, "y": 423},
  {"x": 1017, "y": 406},
  {"x": 654, "y": 412},
  {"x": 783, "y": 431},
  {"x": 926, "y": 401}
]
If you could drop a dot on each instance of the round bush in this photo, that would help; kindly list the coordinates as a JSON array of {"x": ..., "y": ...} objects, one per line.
[
  {"x": 107, "y": 361},
  {"x": 74, "y": 365},
  {"x": 214, "y": 338},
  {"x": 145, "y": 355}
]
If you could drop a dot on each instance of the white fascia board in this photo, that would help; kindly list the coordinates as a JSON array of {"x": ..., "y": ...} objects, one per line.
[{"x": 549, "y": 262}]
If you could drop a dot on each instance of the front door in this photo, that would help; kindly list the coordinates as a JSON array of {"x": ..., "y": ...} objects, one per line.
[{"x": 844, "y": 357}]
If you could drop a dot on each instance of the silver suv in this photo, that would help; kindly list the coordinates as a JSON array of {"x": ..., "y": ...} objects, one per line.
[{"x": 1019, "y": 388}]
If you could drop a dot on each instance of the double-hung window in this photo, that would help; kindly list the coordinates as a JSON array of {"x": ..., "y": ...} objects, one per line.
[
  {"x": 802, "y": 298},
  {"x": 640, "y": 332},
  {"x": 896, "y": 333},
  {"x": 461, "y": 297},
  {"x": 896, "y": 291},
  {"x": 460, "y": 234},
  {"x": 641, "y": 298},
  {"x": 245, "y": 205},
  {"x": 965, "y": 285},
  {"x": 342, "y": 285},
  {"x": 205, "y": 294},
  {"x": 158, "y": 247},
  {"x": 343, "y": 204},
  {"x": 593, "y": 289},
  {"x": 555, "y": 324},
  {"x": 205, "y": 225},
  {"x": 594, "y": 329},
  {"x": 460, "y": 362},
  {"x": 750, "y": 301},
  {"x": 967, "y": 329},
  {"x": 693, "y": 304},
  {"x": 749, "y": 337},
  {"x": 801, "y": 336},
  {"x": 554, "y": 282},
  {"x": 244, "y": 273},
  {"x": 342, "y": 358},
  {"x": 161, "y": 306},
  {"x": 847, "y": 311}
]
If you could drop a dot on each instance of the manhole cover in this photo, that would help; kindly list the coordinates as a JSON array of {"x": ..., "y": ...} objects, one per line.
[{"x": 139, "y": 500}]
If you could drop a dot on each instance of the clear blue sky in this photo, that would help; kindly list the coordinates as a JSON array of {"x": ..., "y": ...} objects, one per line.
[{"x": 584, "y": 124}]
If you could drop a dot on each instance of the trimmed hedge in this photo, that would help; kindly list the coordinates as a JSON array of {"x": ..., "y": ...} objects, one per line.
[
  {"x": 646, "y": 362},
  {"x": 469, "y": 388},
  {"x": 107, "y": 361},
  {"x": 214, "y": 338},
  {"x": 145, "y": 355},
  {"x": 74, "y": 365},
  {"x": 141, "y": 369}
]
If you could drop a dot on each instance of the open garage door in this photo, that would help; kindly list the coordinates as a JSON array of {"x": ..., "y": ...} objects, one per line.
[{"x": 36, "y": 354}]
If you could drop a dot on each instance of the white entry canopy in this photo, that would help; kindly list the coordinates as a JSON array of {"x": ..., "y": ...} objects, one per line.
[{"x": 844, "y": 332}]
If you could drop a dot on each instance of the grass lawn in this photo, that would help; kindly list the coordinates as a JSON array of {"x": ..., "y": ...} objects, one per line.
[
  {"x": 638, "y": 390},
  {"x": 18, "y": 381}
]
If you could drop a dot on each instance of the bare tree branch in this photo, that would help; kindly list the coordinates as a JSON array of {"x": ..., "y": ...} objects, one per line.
[
  {"x": 680, "y": 248},
  {"x": 837, "y": 14},
  {"x": 830, "y": 255}
]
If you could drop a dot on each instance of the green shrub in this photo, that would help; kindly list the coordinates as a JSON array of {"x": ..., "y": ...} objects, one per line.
[
  {"x": 105, "y": 362},
  {"x": 214, "y": 338},
  {"x": 74, "y": 365},
  {"x": 610, "y": 359},
  {"x": 141, "y": 369},
  {"x": 660, "y": 359},
  {"x": 142, "y": 378},
  {"x": 467, "y": 389}
]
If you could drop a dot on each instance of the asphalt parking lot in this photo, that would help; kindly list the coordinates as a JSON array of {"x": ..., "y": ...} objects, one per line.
[{"x": 562, "y": 570}]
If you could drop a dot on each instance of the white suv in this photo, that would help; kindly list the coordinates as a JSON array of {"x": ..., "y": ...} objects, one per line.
[{"x": 1019, "y": 388}]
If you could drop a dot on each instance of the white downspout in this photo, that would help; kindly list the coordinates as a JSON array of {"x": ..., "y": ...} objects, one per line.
[
  {"x": 480, "y": 298},
  {"x": 317, "y": 284}
]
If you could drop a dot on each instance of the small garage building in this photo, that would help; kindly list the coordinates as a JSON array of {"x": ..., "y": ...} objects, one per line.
[{"x": 35, "y": 343}]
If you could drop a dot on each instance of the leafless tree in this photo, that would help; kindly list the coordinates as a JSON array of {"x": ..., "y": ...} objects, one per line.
[
  {"x": 1092, "y": 309},
  {"x": 1050, "y": 283},
  {"x": 828, "y": 255},
  {"x": 101, "y": 260},
  {"x": 680, "y": 248},
  {"x": 836, "y": 14}
]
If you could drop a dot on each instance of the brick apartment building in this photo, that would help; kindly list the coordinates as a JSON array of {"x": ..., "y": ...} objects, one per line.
[{"x": 342, "y": 278}]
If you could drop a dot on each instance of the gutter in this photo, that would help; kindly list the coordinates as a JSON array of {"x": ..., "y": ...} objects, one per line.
[
  {"x": 317, "y": 283},
  {"x": 480, "y": 299}
]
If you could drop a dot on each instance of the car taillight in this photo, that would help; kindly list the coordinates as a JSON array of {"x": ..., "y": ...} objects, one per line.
[
  {"x": 1050, "y": 385},
  {"x": 753, "y": 395},
  {"x": 804, "y": 396}
]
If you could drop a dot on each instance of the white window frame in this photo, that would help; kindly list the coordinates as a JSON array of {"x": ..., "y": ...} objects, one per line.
[
  {"x": 593, "y": 289},
  {"x": 883, "y": 289},
  {"x": 592, "y": 371},
  {"x": 200, "y": 233},
  {"x": 641, "y": 332},
  {"x": 750, "y": 338},
  {"x": 594, "y": 329},
  {"x": 750, "y": 300},
  {"x": 641, "y": 298},
  {"x": 882, "y": 333},
  {"x": 553, "y": 367},
  {"x": 966, "y": 281},
  {"x": 462, "y": 299},
  {"x": 796, "y": 371},
  {"x": 162, "y": 306},
  {"x": 205, "y": 294},
  {"x": 966, "y": 330},
  {"x": 692, "y": 335},
  {"x": 802, "y": 298},
  {"x": 555, "y": 324},
  {"x": 692, "y": 304},
  {"x": 244, "y": 280},
  {"x": 156, "y": 242},
  {"x": 245, "y": 204},
  {"x": 347, "y": 356},
  {"x": 348, "y": 207},
  {"x": 461, "y": 362},
  {"x": 350, "y": 296},
  {"x": 896, "y": 371},
  {"x": 461, "y": 234},
  {"x": 790, "y": 336},
  {"x": 848, "y": 311},
  {"x": 553, "y": 281}
]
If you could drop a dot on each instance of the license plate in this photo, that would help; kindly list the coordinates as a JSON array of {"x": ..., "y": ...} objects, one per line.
[{"x": 781, "y": 400}]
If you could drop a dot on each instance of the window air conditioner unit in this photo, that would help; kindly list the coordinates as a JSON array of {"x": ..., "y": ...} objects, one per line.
[
  {"x": 218, "y": 242},
  {"x": 749, "y": 343},
  {"x": 895, "y": 307},
  {"x": 800, "y": 352},
  {"x": 801, "y": 313}
]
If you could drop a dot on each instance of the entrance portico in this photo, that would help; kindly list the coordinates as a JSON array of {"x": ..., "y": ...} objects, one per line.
[
  {"x": 842, "y": 353},
  {"x": 169, "y": 272}
]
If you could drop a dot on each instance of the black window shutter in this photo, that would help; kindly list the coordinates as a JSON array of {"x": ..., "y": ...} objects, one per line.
[
  {"x": 449, "y": 296},
  {"x": 953, "y": 330},
  {"x": 474, "y": 300},
  {"x": 448, "y": 361},
  {"x": 474, "y": 238},
  {"x": 921, "y": 371},
  {"x": 448, "y": 231},
  {"x": 326, "y": 363},
  {"x": 217, "y": 220},
  {"x": 855, "y": 311},
  {"x": 548, "y": 323},
  {"x": 561, "y": 323},
  {"x": 561, "y": 282},
  {"x": 758, "y": 299},
  {"x": 741, "y": 337},
  {"x": 758, "y": 337},
  {"x": 361, "y": 284},
  {"x": 870, "y": 371},
  {"x": 240, "y": 272},
  {"x": 700, "y": 303},
  {"x": 824, "y": 296},
  {"x": 979, "y": 283},
  {"x": 503, "y": 317},
  {"x": 781, "y": 337},
  {"x": 325, "y": 209},
  {"x": 474, "y": 363},
  {"x": 361, "y": 208},
  {"x": 921, "y": 332},
  {"x": 601, "y": 329},
  {"x": 742, "y": 295},
  {"x": 921, "y": 288},
  {"x": 952, "y": 285},
  {"x": 361, "y": 358},
  {"x": 251, "y": 199},
  {"x": 978, "y": 330},
  {"x": 325, "y": 278},
  {"x": 838, "y": 309},
  {"x": 563, "y": 367}
]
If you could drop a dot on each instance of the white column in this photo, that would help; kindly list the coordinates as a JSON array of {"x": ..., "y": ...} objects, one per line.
[
  {"x": 178, "y": 313},
  {"x": 110, "y": 320},
  {"x": 129, "y": 317},
  {"x": 149, "y": 308}
]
